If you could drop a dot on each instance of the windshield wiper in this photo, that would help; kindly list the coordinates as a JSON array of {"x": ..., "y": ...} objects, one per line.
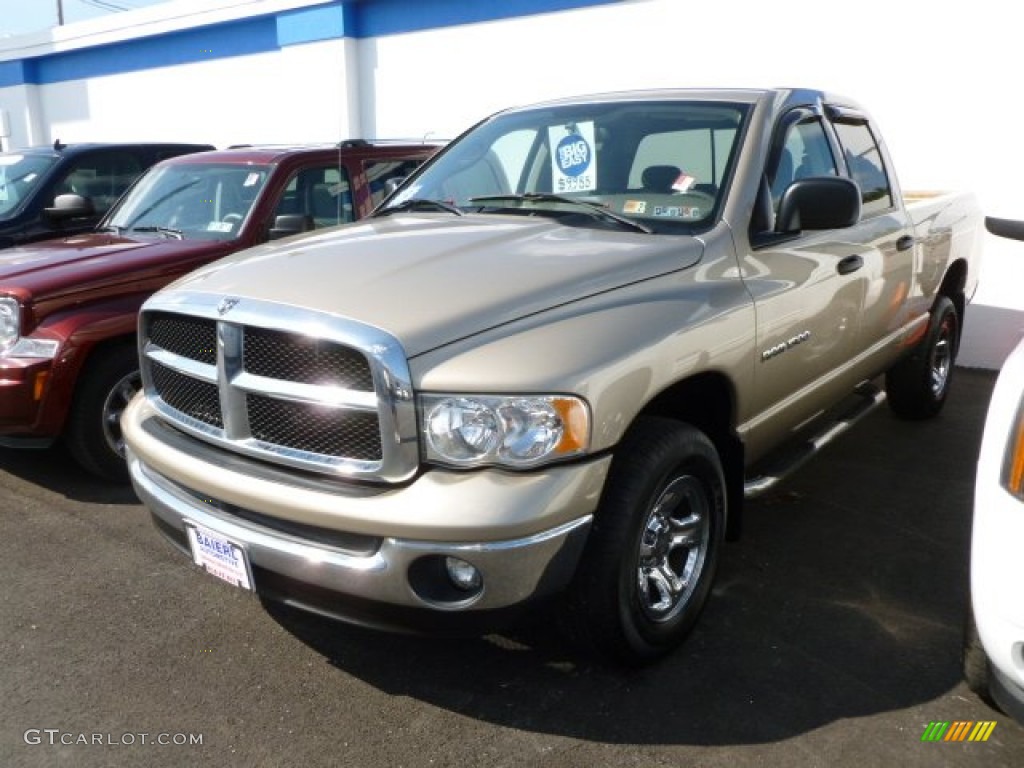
[
  {"x": 418, "y": 202},
  {"x": 595, "y": 209},
  {"x": 176, "y": 234}
]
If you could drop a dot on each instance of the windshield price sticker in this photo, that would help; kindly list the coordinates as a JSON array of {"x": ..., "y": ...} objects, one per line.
[
  {"x": 573, "y": 163},
  {"x": 219, "y": 556}
]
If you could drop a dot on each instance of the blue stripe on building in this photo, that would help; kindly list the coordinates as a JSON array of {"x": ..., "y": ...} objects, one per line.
[
  {"x": 261, "y": 34},
  {"x": 377, "y": 18}
]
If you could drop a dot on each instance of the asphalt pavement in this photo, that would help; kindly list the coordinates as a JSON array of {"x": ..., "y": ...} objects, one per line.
[{"x": 831, "y": 639}]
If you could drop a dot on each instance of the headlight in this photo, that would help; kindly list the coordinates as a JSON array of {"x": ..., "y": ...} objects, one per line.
[
  {"x": 10, "y": 323},
  {"x": 513, "y": 431}
]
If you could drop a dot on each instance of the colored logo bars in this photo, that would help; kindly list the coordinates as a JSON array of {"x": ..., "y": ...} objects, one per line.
[{"x": 958, "y": 730}]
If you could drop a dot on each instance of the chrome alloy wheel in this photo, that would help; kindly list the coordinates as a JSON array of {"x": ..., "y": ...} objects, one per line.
[
  {"x": 673, "y": 548},
  {"x": 113, "y": 406},
  {"x": 942, "y": 358}
]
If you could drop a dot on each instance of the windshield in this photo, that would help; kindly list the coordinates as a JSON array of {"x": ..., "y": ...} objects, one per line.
[
  {"x": 190, "y": 201},
  {"x": 661, "y": 164},
  {"x": 19, "y": 175}
]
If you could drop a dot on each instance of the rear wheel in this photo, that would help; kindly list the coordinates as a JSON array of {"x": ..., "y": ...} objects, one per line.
[
  {"x": 917, "y": 386},
  {"x": 93, "y": 435},
  {"x": 653, "y": 549}
]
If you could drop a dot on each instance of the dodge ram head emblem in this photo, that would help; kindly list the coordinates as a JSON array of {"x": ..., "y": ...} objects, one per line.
[{"x": 225, "y": 306}]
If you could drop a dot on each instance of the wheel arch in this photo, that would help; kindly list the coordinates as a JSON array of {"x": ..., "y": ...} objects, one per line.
[
  {"x": 707, "y": 401},
  {"x": 62, "y": 395},
  {"x": 953, "y": 286}
]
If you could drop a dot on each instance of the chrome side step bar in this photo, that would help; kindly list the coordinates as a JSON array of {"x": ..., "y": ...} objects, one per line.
[{"x": 868, "y": 398}]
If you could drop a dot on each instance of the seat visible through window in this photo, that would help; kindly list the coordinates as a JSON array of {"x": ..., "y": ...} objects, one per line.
[{"x": 659, "y": 178}]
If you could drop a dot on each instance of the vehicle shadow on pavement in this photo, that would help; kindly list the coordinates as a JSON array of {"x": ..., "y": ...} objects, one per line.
[
  {"x": 55, "y": 470},
  {"x": 844, "y": 599}
]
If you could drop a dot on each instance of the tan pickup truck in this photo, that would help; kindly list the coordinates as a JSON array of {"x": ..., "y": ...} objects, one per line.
[{"x": 551, "y": 366}]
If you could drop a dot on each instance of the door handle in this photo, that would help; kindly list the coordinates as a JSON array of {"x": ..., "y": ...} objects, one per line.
[
  {"x": 905, "y": 243},
  {"x": 849, "y": 264}
]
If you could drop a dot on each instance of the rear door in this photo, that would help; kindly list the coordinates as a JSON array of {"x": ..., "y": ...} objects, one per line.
[
  {"x": 807, "y": 289},
  {"x": 884, "y": 229}
]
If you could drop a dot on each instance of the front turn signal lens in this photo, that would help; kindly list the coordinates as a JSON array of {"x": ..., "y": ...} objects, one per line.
[{"x": 1013, "y": 467}]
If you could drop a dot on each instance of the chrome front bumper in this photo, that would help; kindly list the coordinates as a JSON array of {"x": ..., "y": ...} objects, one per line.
[{"x": 514, "y": 571}]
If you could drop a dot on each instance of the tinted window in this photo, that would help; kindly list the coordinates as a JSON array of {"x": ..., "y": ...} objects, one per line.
[
  {"x": 805, "y": 153},
  {"x": 864, "y": 161},
  {"x": 323, "y": 194},
  {"x": 379, "y": 171},
  {"x": 101, "y": 177}
]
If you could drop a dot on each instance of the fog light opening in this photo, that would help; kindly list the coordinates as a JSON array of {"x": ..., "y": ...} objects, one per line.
[
  {"x": 445, "y": 581},
  {"x": 463, "y": 576}
]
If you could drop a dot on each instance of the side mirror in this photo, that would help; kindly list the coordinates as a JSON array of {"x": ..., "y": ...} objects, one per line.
[
  {"x": 1010, "y": 228},
  {"x": 820, "y": 202},
  {"x": 289, "y": 224},
  {"x": 70, "y": 207}
]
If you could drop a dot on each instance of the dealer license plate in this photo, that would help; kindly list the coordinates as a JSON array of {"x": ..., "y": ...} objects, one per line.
[{"x": 219, "y": 556}]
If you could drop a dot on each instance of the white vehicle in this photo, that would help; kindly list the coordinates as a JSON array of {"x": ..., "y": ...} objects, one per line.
[{"x": 993, "y": 656}]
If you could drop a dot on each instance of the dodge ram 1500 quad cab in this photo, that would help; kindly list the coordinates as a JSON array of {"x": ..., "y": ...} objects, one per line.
[
  {"x": 551, "y": 365},
  {"x": 68, "y": 307}
]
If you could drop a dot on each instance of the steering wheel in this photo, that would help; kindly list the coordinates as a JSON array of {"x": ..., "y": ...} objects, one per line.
[{"x": 231, "y": 218}]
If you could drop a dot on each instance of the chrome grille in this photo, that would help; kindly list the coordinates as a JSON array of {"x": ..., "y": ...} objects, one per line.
[
  {"x": 189, "y": 337},
  {"x": 314, "y": 429},
  {"x": 283, "y": 384},
  {"x": 292, "y": 357},
  {"x": 196, "y": 399}
]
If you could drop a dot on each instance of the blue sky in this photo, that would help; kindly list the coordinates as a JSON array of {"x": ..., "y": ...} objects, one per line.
[{"x": 18, "y": 17}]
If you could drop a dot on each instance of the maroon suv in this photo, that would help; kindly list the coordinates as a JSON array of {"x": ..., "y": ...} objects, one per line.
[{"x": 68, "y": 359}]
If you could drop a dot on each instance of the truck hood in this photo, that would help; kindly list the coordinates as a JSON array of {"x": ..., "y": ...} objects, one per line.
[{"x": 430, "y": 280}]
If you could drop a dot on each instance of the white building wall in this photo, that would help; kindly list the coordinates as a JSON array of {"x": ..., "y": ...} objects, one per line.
[
  {"x": 295, "y": 95},
  {"x": 937, "y": 80}
]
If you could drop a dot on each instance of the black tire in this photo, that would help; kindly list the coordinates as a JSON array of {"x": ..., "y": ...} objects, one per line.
[
  {"x": 93, "y": 433},
  {"x": 917, "y": 386},
  {"x": 641, "y": 586},
  {"x": 974, "y": 660}
]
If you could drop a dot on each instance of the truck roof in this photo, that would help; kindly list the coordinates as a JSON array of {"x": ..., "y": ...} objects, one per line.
[
  {"x": 57, "y": 149},
  {"x": 737, "y": 95}
]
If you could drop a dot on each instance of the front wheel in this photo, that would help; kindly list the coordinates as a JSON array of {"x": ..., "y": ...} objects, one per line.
[
  {"x": 653, "y": 550},
  {"x": 93, "y": 434},
  {"x": 917, "y": 386}
]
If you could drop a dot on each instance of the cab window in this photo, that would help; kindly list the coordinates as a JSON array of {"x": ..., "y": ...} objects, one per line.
[
  {"x": 805, "y": 153},
  {"x": 379, "y": 172},
  {"x": 101, "y": 178},
  {"x": 864, "y": 161},
  {"x": 321, "y": 194}
]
